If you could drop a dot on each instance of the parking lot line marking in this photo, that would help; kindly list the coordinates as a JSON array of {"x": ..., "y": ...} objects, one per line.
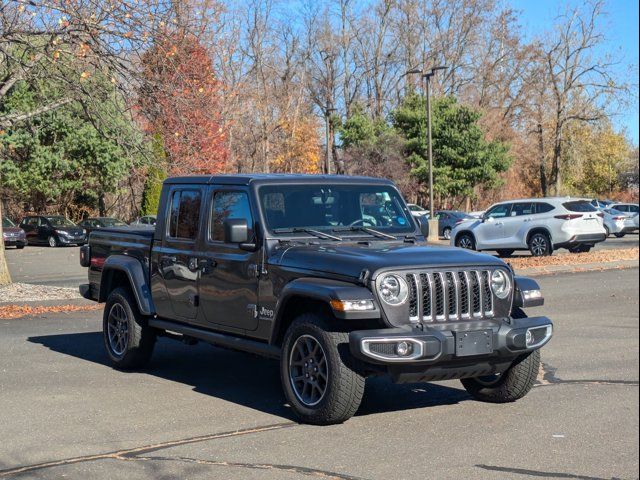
[{"x": 132, "y": 452}]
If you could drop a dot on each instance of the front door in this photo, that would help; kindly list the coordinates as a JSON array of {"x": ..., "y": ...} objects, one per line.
[
  {"x": 30, "y": 226},
  {"x": 177, "y": 257},
  {"x": 228, "y": 285},
  {"x": 490, "y": 233}
]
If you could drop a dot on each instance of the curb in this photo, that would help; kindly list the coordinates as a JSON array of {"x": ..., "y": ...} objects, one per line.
[{"x": 585, "y": 267}]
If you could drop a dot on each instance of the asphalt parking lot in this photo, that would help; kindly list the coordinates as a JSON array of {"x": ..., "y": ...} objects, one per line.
[
  {"x": 202, "y": 412},
  {"x": 60, "y": 266}
]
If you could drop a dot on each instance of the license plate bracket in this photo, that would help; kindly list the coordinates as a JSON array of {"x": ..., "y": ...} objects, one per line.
[{"x": 477, "y": 342}]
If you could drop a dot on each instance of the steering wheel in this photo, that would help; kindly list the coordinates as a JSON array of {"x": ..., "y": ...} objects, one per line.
[{"x": 361, "y": 221}]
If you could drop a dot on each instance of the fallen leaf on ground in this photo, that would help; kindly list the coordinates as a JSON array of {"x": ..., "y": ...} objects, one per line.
[
  {"x": 8, "y": 312},
  {"x": 576, "y": 259}
]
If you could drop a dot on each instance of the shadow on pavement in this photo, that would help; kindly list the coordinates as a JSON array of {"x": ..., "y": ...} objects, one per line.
[{"x": 245, "y": 379}]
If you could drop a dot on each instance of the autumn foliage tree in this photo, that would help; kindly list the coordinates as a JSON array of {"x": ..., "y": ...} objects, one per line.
[{"x": 181, "y": 105}]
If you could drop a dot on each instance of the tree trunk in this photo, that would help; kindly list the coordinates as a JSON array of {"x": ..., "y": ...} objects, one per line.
[
  {"x": 5, "y": 277},
  {"x": 102, "y": 207},
  {"x": 543, "y": 168}
]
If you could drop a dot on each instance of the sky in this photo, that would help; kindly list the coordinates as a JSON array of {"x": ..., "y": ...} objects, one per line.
[{"x": 620, "y": 27}]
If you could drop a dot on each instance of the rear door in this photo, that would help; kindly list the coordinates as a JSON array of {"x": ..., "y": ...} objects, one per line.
[
  {"x": 515, "y": 224},
  {"x": 228, "y": 286},
  {"x": 177, "y": 255}
]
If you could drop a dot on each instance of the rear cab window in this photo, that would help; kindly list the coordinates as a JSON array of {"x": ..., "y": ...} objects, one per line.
[{"x": 184, "y": 214}]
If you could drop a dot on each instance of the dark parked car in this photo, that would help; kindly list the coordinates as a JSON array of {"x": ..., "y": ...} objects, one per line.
[
  {"x": 296, "y": 267},
  {"x": 148, "y": 221},
  {"x": 52, "y": 230},
  {"x": 448, "y": 219},
  {"x": 93, "y": 223},
  {"x": 13, "y": 236}
]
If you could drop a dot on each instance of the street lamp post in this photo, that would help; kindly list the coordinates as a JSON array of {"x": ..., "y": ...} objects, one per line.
[{"x": 426, "y": 75}]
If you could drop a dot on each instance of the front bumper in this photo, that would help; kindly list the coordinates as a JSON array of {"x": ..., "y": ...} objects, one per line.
[
  {"x": 454, "y": 350},
  {"x": 15, "y": 242},
  {"x": 72, "y": 240}
]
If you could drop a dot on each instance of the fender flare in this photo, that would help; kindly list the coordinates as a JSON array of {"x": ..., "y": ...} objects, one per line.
[
  {"x": 134, "y": 271},
  {"x": 324, "y": 290}
]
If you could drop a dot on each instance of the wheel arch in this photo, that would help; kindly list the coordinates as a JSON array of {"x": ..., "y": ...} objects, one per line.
[
  {"x": 543, "y": 230},
  {"x": 121, "y": 270},
  {"x": 462, "y": 232},
  {"x": 315, "y": 295}
]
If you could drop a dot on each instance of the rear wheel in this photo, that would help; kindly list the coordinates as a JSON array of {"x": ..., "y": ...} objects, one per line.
[
  {"x": 446, "y": 233},
  {"x": 540, "y": 245},
  {"x": 509, "y": 386},
  {"x": 466, "y": 240},
  {"x": 620, "y": 235},
  {"x": 320, "y": 387},
  {"x": 505, "y": 252},
  {"x": 580, "y": 249},
  {"x": 127, "y": 337}
]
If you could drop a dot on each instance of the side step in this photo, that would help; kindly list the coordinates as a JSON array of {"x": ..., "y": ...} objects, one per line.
[{"x": 220, "y": 339}]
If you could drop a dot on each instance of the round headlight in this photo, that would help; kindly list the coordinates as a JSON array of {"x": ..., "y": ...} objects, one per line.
[
  {"x": 500, "y": 284},
  {"x": 393, "y": 289}
]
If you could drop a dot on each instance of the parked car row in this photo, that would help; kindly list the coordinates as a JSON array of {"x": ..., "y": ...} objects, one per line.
[{"x": 57, "y": 230}]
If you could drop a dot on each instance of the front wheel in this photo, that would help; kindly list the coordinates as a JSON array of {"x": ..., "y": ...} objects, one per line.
[
  {"x": 52, "y": 241},
  {"x": 466, "y": 241},
  {"x": 619, "y": 235},
  {"x": 128, "y": 339},
  {"x": 509, "y": 386},
  {"x": 320, "y": 387}
]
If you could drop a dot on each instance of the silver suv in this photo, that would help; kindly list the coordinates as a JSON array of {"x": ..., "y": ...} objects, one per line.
[{"x": 537, "y": 225}]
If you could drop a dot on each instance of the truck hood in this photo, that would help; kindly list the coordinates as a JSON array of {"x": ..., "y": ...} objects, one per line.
[{"x": 350, "y": 259}]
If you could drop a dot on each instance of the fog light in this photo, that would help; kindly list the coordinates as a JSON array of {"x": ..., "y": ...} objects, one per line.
[
  {"x": 529, "y": 338},
  {"x": 403, "y": 349},
  {"x": 532, "y": 294}
]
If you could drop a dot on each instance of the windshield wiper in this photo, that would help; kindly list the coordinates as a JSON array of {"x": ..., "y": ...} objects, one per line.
[
  {"x": 310, "y": 231},
  {"x": 370, "y": 231}
]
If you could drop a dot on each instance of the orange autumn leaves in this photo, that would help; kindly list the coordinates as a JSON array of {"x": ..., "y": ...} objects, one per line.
[{"x": 181, "y": 102}]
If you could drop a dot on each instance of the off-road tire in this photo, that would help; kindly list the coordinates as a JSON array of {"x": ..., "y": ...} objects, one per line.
[
  {"x": 540, "y": 245},
  {"x": 505, "y": 252},
  {"x": 141, "y": 338},
  {"x": 460, "y": 241},
  {"x": 344, "y": 387},
  {"x": 510, "y": 386}
]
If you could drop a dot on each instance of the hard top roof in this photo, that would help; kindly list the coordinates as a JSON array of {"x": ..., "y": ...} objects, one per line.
[{"x": 262, "y": 178}]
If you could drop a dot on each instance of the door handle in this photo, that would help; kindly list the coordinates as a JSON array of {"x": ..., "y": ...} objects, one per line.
[
  {"x": 206, "y": 265},
  {"x": 499, "y": 224}
]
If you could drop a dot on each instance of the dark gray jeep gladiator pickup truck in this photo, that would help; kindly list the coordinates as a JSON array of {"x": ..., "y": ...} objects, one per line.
[{"x": 329, "y": 274}]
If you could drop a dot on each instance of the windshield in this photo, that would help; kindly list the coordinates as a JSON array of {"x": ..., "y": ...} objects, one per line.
[
  {"x": 333, "y": 207},
  {"x": 60, "y": 222},
  {"x": 112, "y": 222},
  {"x": 6, "y": 223}
]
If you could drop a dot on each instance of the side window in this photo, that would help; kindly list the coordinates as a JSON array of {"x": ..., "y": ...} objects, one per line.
[
  {"x": 228, "y": 205},
  {"x": 633, "y": 208},
  {"x": 184, "y": 214},
  {"x": 521, "y": 209},
  {"x": 542, "y": 207},
  {"x": 33, "y": 221},
  {"x": 499, "y": 211}
]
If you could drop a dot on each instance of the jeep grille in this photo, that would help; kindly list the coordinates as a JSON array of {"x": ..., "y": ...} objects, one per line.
[{"x": 449, "y": 295}]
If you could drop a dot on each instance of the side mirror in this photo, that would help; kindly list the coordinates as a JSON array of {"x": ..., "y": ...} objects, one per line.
[
  {"x": 423, "y": 224},
  {"x": 487, "y": 219},
  {"x": 236, "y": 230}
]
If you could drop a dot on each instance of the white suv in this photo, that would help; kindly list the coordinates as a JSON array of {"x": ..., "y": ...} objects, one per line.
[{"x": 537, "y": 225}]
